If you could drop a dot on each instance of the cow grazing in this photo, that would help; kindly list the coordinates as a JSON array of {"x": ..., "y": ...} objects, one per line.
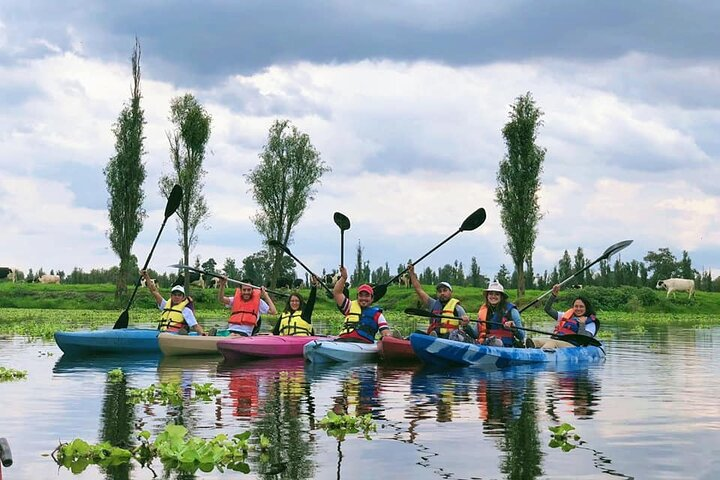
[
  {"x": 404, "y": 280},
  {"x": 298, "y": 283},
  {"x": 673, "y": 285},
  {"x": 8, "y": 273},
  {"x": 331, "y": 279},
  {"x": 196, "y": 280},
  {"x": 214, "y": 282},
  {"x": 49, "y": 279},
  {"x": 143, "y": 283}
]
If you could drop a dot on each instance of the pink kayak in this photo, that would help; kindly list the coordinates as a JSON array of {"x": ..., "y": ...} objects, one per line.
[{"x": 264, "y": 346}]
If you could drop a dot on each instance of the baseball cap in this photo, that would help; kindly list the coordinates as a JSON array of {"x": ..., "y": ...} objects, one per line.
[
  {"x": 366, "y": 288},
  {"x": 443, "y": 284},
  {"x": 178, "y": 288}
]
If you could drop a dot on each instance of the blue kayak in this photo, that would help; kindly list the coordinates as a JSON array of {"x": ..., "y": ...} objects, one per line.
[
  {"x": 121, "y": 340},
  {"x": 450, "y": 353}
]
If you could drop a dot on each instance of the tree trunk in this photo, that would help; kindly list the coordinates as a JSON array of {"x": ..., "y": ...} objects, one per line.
[{"x": 520, "y": 279}]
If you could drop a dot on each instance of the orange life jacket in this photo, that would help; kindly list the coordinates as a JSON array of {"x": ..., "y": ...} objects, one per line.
[{"x": 245, "y": 313}]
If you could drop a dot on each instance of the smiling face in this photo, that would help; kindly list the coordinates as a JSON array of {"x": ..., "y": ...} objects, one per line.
[
  {"x": 493, "y": 298},
  {"x": 176, "y": 297},
  {"x": 294, "y": 303},
  {"x": 364, "y": 299},
  {"x": 246, "y": 292},
  {"x": 579, "y": 308}
]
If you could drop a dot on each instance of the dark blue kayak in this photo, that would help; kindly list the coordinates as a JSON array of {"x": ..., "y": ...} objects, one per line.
[
  {"x": 121, "y": 340},
  {"x": 449, "y": 353}
]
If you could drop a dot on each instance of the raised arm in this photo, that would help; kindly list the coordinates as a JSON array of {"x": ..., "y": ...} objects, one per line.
[
  {"x": 310, "y": 304},
  {"x": 338, "y": 294},
  {"x": 549, "y": 303},
  {"x": 424, "y": 297},
  {"x": 221, "y": 291},
  {"x": 268, "y": 300},
  {"x": 152, "y": 287}
]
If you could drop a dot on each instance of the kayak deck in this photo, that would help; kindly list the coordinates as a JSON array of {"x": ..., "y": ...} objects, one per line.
[
  {"x": 450, "y": 353},
  {"x": 264, "y": 346},
  {"x": 320, "y": 351},
  {"x": 172, "y": 344},
  {"x": 122, "y": 340}
]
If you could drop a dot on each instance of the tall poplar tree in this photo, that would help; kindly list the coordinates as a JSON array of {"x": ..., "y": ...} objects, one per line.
[
  {"x": 124, "y": 176},
  {"x": 518, "y": 180},
  {"x": 188, "y": 142},
  {"x": 282, "y": 184}
]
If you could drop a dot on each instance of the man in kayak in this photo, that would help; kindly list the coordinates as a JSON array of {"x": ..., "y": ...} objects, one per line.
[
  {"x": 177, "y": 317},
  {"x": 246, "y": 307},
  {"x": 578, "y": 320},
  {"x": 362, "y": 320},
  {"x": 444, "y": 304}
]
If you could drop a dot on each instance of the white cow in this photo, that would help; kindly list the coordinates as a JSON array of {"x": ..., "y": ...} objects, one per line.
[
  {"x": 49, "y": 279},
  {"x": 404, "y": 280},
  {"x": 673, "y": 285},
  {"x": 143, "y": 283},
  {"x": 214, "y": 282},
  {"x": 7, "y": 272}
]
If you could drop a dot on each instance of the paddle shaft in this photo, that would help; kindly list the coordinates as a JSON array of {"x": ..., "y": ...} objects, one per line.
[
  {"x": 287, "y": 250},
  {"x": 612, "y": 249},
  {"x": 217, "y": 275},
  {"x": 421, "y": 258}
]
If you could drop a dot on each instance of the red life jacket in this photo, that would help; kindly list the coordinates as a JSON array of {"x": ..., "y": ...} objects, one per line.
[
  {"x": 245, "y": 313},
  {"x": 494, "y": 326},
  {"x": 569, "y": 324}
]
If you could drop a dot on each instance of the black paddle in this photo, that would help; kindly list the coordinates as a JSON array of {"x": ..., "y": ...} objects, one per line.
[
  {"x": 472, "y": 222},
  {"x": 575, "y": 339},
  {"x": 276, "y": 244},
  {"x": 217, "y": 275},
  {"x": 343, "y": 223},
  {"x": 611, "y": 250},
  {"x": 172, "y": 205}
]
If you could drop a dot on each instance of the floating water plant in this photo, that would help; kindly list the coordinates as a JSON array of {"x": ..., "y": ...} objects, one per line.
[
  {"x": 115, "y": 375},
  {"x": 561, "y": 437},
  {"x": 173, "y": 447},
  {"x": 10, "y": 374},
  {"x": 340, "y": 425}
]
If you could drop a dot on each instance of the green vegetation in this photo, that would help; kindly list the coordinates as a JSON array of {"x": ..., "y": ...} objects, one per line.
[
  {"x": 170, "y": 393},
  {"x": 562, "y": 438},
  {"x": 38, "y": 311},
  {"x": 9, "y": 374},
  {"x": 172, "y": 447},
  {"x": 115, "y": 375},
  {"x": 340, "y": 425}
]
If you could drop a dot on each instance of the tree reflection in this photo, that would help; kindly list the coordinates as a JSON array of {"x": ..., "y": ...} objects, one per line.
[
  {"x": 117, "y": 423},
  {"x": 576, "y": 388}
]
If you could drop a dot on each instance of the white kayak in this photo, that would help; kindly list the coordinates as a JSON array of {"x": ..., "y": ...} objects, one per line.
[
  {"x": 172, "y": 344},
  {"x": 323, "y": 351}
]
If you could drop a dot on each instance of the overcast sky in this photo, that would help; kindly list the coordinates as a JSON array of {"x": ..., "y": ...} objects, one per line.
[{"x": 405, "y": 101}]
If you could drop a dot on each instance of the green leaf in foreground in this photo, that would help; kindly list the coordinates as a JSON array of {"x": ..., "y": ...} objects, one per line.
[{"x": 10, "y": 374}]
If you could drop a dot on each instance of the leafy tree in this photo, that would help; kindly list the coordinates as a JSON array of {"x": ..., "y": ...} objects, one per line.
[
  {"x": 361, "y": 274},
  {"x": 529, "y": 274},
  {"x": 503, "y": 276},
  {"x": 518, "y": 181},
  {"x": 283, "y": 183},
  {"x": 427, "y": 277},
  {"x": 124, "y": 176},
  {"x": 685, "y": 266},
  {"x": 474, "y": 273},
  {"x": 258, "y": 267},
  {"x": 662, "y": 264},
  {"x": 188, "y": 142},
  {"x": 579, "y": 263},
  {"x": 230, "y": 269},
  {"x": 209, "y": 265},
  {"x": 565, "y": 266}
]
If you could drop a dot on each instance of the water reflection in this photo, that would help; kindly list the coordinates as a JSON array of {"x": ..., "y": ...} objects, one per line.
[
  {"x": 116, "y": 423},
  {"x": 578, "y": 389}
]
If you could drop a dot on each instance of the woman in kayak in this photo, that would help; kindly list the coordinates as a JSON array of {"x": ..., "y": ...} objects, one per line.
[
  {"x": 578, "y": 320},
  {"x": 497, "y": 319},
  {"x": 296, "y": 319},
  {"x": 177, "y": 317}
]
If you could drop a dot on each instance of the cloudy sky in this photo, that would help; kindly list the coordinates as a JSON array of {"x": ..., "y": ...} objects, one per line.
[{"x": 405, "y": 101}]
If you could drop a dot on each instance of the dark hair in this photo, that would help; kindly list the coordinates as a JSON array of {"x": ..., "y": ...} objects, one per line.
[
  {"x": 589, "y": 310},
  {"x": 246, "y": 280},
  {"x": 501, "y": 306},
  {"x": 287, "y": 305}
]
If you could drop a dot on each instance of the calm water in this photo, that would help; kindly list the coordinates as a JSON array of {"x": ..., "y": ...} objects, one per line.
[{"x": 651, "y": 410}]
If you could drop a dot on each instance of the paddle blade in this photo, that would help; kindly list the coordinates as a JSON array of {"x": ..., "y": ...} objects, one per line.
[
  {"x": 379, "y": 292},
  {"x": 417, "y": 311},
  {"x": 173, "y": 200},
  {"x": 578, "y": 340},
  {"x": 341, "y": 221},
  {"x": 613, "y": 249},
  {"x": 475, "y": 219},
  {"x": 122, "y": 321}
]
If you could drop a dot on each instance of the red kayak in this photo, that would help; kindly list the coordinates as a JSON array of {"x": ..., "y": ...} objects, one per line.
[
  {"x": 393, "y": 349},
  {"x": 264, "y": 346}
]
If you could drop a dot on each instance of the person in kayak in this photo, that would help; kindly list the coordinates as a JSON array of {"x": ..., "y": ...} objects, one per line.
[
  {"x": 497, "y": 318},
  {"x": 177, "y": 316},
  {"x": 246, "y": 307},
  {"x": 444, "y": 304},
  {"x": 578, "y": 320},
  {"x": 296, "y": 319},
  {"x": 362, "y": 320}
]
